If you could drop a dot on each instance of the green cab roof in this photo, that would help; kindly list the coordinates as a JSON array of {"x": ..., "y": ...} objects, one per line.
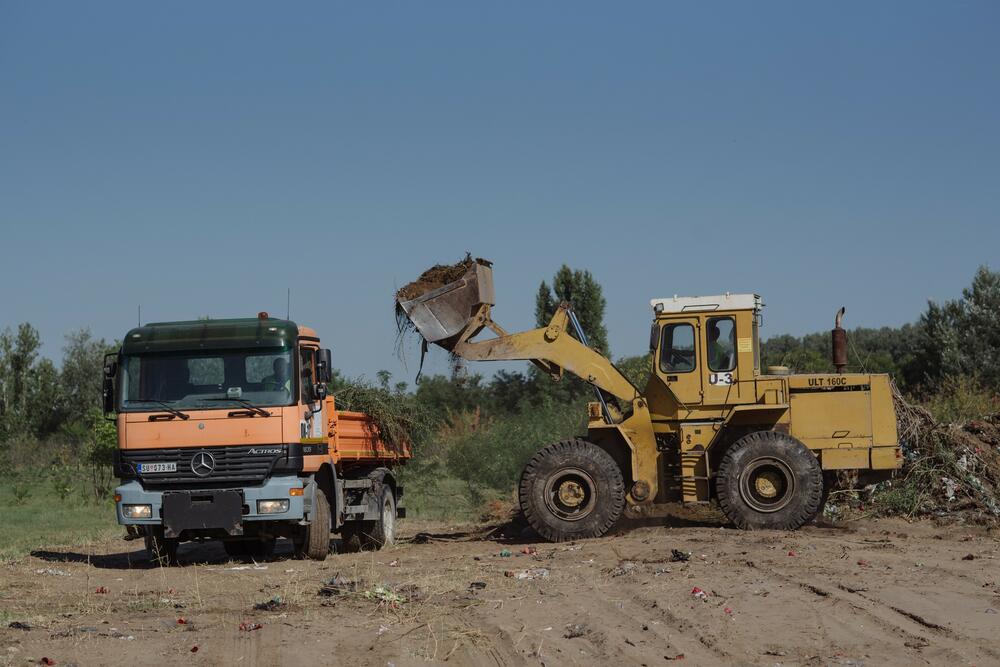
[{"x": 197, "y": 335}]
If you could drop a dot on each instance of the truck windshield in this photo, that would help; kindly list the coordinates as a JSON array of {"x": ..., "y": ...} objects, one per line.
[{"x": 188, "y": 380}]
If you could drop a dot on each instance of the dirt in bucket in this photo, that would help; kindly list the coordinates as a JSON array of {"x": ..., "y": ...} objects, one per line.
[{"x": 437, "y": 276}]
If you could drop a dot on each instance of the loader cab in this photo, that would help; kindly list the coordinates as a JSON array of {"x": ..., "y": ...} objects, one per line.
[{"x": 706, "y": 351}]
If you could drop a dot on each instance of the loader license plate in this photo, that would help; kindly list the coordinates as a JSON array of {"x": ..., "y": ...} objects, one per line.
[{"x": 157, "y": 467}]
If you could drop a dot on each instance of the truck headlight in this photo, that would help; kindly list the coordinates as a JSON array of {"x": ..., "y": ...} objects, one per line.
[
  {"x": 137, "y": 511},
  {"x": 272, "y": 506}
]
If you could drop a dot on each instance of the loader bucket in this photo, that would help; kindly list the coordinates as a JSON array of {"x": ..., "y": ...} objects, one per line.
[{"x": 443, "y": 313}]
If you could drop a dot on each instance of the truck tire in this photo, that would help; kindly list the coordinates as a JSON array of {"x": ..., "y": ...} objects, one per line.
[
  {"x": 571, "y": 489},
  {"x": 162, "y": 551},
  {"x": 313, "y": 541},
  {"x": 770, "y": 480},
  {"x": 257, "y": 550},
  {"x": 373, "y": 535}
]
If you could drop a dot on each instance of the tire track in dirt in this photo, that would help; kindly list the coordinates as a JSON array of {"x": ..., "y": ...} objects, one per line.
[{"x": 942, "y": 634}]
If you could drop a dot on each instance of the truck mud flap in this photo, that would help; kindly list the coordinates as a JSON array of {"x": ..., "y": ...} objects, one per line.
[{"x": 200, "y": 510}]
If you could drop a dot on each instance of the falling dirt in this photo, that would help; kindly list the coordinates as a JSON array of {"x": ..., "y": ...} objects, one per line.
[{"x": 872, "y": 592}]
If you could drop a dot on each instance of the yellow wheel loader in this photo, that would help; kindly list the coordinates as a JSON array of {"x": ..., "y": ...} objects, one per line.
[{"x": 708, "y": 425}]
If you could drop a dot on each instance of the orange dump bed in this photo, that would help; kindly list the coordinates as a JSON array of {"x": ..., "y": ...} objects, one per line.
[{"x": 353, "y": 436}]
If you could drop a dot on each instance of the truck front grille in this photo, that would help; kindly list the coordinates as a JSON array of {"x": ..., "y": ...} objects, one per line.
[{"x": 203, "y": 466}]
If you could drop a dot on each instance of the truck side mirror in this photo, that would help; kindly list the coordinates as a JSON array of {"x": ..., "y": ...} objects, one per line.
[
  {"x": 324, "y": 365},
  {"x": 654, "y": 336},
  {"x": 108, "y": 386}
]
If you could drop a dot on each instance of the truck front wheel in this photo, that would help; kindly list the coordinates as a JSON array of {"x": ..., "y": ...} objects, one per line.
[
  {"x": 770, "y": 480},
  {"x": 571, "y": 489},
  {"x": 313, "y": 541},
  {"x": 162, "y": 551}
]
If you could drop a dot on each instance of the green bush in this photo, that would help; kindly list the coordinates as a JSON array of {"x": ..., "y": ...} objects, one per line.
[
  {"x": 961, "y": 398},
  {"x": 492, "y": 456}
]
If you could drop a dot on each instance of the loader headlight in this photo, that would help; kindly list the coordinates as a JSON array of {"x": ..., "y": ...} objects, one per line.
[
  {"x": 137, "y": 511},
  {"x": 272, "y": 506}
]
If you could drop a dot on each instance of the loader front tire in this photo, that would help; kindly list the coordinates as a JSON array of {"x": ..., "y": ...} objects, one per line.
[
  {"x": 770, "y": 480},
  {"x": 571, "y": 489}
]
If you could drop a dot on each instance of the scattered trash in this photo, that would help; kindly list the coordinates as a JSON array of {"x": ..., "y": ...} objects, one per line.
[
  {"x": 728, "y": 610},
  {"x": 53, "y": 571},
  {"x": 338, "y": 585},
  {"x": 574, "y": 630},
  {"x": 949, "y": 488},
  {"x": 969, "y": 557},
  {"x": 273, "y": 604},
  {"x": 101, "y": 590},
  {"x": 863, "y": 563},
  {"x": 46, "y": 661},
  {"x": 385, "y": 596},
  {"x": 194, "y": 649},
  {"x": 991, "y": 610},
  {"x": 624, "y": 567},
  {"x": 679, "y": 656},
  {"x": 19, "y": 625},
  {"x": 182, "y": 621},
  {"x": 505, "y": 553},
  {"x": 661, "y": 570},
  {"x": 698, "y": 593},
  {"x": 678, "y": 556},
  {"x": 791, "y": 553},
  {"x": 529, "y": 551},
  {"x": 477, "y": 585},
  {"x": 533, "y": 573},
  {"x": 240, "y": 567},
  {"x": 394, "y": 563},
  {"x": 247, "y": 626}
]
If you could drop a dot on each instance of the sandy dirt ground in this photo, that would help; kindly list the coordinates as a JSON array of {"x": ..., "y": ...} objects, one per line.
[{"x": 866, "y": 593}]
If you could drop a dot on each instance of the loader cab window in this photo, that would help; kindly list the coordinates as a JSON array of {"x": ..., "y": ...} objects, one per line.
[
  {"x": 721, "y": 349},
  {"x": 677, "y": 349}
]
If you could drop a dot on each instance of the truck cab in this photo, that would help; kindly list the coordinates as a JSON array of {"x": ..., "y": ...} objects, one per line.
[{"x": 225, "y": 430}]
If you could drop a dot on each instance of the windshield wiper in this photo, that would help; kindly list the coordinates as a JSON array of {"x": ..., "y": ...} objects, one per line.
[
  {"x": 166, "y": 406},
  {"x": 245, "y": 403}
]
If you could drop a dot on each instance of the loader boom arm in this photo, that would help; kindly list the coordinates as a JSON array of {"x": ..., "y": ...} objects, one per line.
[{"x": 551, "y": 348}]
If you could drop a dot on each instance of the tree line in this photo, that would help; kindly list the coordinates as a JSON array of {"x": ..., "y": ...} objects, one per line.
[{"x": 480, "y": 428}]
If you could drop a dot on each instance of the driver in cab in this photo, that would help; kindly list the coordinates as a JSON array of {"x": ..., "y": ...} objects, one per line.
[{"x": 280, "y": 379}]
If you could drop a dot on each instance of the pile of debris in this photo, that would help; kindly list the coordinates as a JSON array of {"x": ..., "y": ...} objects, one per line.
[{"x": 948, "y": 468}]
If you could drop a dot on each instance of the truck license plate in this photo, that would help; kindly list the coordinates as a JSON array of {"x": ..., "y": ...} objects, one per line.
[{"x": 157, "y": 467}]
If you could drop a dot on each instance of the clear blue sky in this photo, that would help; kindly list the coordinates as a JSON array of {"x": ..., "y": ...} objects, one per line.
[{"x": 200, "y": 158}]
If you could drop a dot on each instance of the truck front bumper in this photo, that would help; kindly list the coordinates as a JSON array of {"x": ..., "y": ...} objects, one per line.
[{"x": 208, "y": 509}]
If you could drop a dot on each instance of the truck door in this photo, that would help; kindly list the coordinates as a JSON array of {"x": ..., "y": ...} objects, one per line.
[
  {"x": 313, "y": 424},
  {"x": 720, "y": 372},
  {"x": 677, "y": 365}
]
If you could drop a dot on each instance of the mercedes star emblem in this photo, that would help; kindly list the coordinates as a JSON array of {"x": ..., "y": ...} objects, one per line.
[{"x": 202, "y": 464}]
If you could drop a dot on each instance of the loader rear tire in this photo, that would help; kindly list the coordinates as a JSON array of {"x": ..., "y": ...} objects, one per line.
[
  {"x": 770, "y": 480},
  {"x": 313, "y": 541},
  {"x": 571, "y": 489}
]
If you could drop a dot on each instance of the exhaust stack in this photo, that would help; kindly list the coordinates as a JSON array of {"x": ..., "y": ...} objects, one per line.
[{"x": 839, "y": 337}]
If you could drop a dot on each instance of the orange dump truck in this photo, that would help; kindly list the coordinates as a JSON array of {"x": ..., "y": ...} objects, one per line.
[{"x": 225, "y": 431}]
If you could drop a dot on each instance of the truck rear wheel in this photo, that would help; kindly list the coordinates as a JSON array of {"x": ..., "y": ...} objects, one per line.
[
  {"x": 313, "y": 541},
  {"x": 373, "y": 535},
  {"x": 162, "y": 551},
  {"x": 770, "y": 480},
  {"x": 571, "y": 489}
]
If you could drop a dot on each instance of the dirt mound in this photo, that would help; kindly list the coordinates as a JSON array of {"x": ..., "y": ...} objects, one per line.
[
  {"x": 948, "y": 468},
  {"x": 437, "y": 276}
]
